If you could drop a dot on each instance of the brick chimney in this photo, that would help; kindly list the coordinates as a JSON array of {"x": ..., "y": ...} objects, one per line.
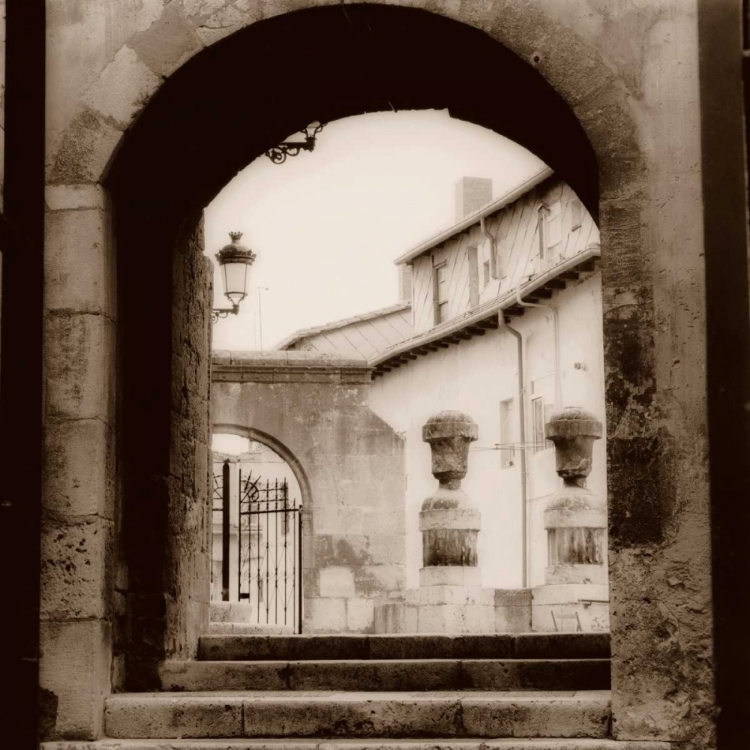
[
  {"x": 404, "y": 283},
  {"x": 471, "y": 194}
]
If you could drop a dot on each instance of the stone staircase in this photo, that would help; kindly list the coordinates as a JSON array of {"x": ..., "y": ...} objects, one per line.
[{"x": 379, "y": 692}]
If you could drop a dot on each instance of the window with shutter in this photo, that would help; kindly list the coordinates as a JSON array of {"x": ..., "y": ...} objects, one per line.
[
  {"x": 542, "y": 406},
  {"x": 473, "y": 277},
  {"x": 553, "y": 221},
  {"x": 441, "y": 293},
  {"x": 576, "y": 214},
  {"x": 508, "y": 433},
  {"x": 537, "y": 423}
]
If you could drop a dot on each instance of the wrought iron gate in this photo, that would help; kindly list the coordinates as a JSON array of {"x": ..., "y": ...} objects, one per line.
[
  {"x": 270, "y": 559},
  {"x": 268, "y": 526}
]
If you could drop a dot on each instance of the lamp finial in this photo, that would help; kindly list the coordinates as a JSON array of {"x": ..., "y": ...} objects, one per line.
[{"x": 235, "y": 236}]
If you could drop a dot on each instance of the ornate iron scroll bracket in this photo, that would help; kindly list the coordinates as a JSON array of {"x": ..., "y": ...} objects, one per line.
[{"x": 278, "y": 154}]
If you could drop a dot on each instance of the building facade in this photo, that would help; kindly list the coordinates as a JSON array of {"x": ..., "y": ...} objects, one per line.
[{"x": 507, "y": 328}]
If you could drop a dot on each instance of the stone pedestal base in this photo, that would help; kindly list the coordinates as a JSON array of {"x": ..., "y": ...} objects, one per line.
[
  {"x": 456, "y": 610},
  {"x": 450, "y": 575},
  {"x": 589, "y": 602}
]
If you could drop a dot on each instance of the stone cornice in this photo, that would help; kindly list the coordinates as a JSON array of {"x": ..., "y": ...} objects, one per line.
[{"x": 287, "y": 367}]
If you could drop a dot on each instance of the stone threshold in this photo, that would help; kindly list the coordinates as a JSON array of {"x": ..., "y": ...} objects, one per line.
[{"x": 371, "y": 744}]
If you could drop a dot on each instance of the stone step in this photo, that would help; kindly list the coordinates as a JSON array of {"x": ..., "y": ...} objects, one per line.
[
  {"x": 343, "y": 647},
  {"x": 391, "y": 675},
  {"x": 359, "y": 714},
  {"x": 374, "y": 744}
]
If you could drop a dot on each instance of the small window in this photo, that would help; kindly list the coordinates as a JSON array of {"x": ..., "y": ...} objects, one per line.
[
  {"x": 541, "y": 223},
  {"x": 507, "y": 433},
  {"x": 553, "y": 221},
  {"x": 576, "y": 214},
  {"x": 441, "y": 293},
  {"x": 501, "y": 260},
  {"x": 537, "y": 421},
  {"x": 486, "y": 272},
  {"x": 473, "y": 277},
  {"x": 549, "y": 227}
]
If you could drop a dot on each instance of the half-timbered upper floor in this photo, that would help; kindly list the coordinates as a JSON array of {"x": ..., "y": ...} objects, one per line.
[{"x": 498, "y": 249}]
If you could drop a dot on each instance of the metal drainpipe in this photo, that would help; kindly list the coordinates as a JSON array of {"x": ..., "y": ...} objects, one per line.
[
  {"x": 522, "y": 440},
  {"x": 556, "y": 336},
  {"x": 521, "y": 408}
]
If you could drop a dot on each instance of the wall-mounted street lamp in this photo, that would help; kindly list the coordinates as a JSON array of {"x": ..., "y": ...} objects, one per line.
[
  {"x": 278, "y": 154},
  {"x": 235, "y": 261}
]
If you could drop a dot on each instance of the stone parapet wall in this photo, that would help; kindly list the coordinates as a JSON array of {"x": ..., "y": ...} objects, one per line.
[
  {"x": 287, "y": 367},
  {"x": 456, "y": 610}
]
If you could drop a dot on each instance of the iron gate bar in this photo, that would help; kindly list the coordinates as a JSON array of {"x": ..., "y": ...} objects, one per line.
[{"x": 225, "y": 534}]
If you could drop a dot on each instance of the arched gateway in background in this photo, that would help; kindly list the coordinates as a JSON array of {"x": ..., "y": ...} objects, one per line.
[{"x": 152, "y": 118}]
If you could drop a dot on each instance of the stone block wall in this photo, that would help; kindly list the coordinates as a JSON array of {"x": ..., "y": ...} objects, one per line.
[
  {"x": 79, "y": 508},
  {"x": 161, "y": 582},
  {"x": 314, "y": 408},
  {"x": 189, "y": 554}
]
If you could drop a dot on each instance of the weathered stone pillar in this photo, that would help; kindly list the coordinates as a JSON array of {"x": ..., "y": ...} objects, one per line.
[
  {"x": 576, "y": 517},
  {"x": 448, "y": 521},
  {"x": 575, "y": 586}
]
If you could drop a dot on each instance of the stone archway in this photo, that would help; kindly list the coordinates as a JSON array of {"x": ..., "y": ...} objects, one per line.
[
  {"x": 282, "y": 533},
  {"x": 277, "y": 447},
  {"x": 591, "y": 97}
]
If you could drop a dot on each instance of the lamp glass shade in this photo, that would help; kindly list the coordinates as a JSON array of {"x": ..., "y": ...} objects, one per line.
[
  {"x": 235, "y": 280},
  {"x": 312, "y": 129}
]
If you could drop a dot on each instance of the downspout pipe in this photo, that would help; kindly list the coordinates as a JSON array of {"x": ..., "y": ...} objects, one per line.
[
  {"x": 522, "y": 440},
  {"x": 556, "y": 336}
]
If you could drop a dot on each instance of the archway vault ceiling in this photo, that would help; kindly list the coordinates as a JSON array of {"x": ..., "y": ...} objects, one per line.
[{"x": 242, "y": 95}]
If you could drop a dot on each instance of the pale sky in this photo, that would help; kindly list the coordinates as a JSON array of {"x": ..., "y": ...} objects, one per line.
[{"x": 327, "y": 225}]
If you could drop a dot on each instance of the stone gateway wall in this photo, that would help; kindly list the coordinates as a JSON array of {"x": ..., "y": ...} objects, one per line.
[{"x": 315, "y": 408}]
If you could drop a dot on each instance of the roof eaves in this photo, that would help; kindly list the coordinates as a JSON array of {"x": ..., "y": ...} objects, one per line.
[{"x": 488, "y": 308}]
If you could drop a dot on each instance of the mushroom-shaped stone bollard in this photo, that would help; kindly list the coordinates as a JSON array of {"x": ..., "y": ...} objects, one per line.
[
  {"x": 575, "y": 518},
  {"x": 448, "y": 521}
]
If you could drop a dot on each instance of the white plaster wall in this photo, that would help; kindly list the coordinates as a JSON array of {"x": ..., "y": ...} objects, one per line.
[
  {"x": 467, "y": 378},
  {"x": 581, "y": 341},
  {"x": 474, "y": 377}
]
